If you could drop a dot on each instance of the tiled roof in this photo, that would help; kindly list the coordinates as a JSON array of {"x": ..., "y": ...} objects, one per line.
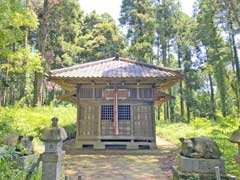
[{"x": 115, "y": 68}]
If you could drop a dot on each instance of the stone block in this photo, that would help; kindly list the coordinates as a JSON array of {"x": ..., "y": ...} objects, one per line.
[
  {"x": 199, "y": 165},
  {"x": 132, "y": 146},
  {"x": 99, "y": 145},
  {"x": 179, "y": 175}
]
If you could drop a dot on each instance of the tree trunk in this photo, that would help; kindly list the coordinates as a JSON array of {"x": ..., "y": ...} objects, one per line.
[
  {"x": 181, "y": 85},
  {"x": 35, "y": 88},
  {"x": 12, "y": 95},
  {"x": 188, "y": 100},
  {"x": 188, "y": 95},
  {"x": 164, "y": 53},
  {"x": 171, "y": 104},
  {"x": 38, "y": 77},
  {"x": 166, "y": 112},
  {"x": 235, "y": 85},
  {"x": 4, "y": 101},
  {"x": 23, "y": 74},
  {"x": 159, "y": 112},
  {"x": 51, "y": 95},
  {"x": 213, "y": 105},
  {"x": 235, "y": 52},
  {"x": 232, "y": 7},
  {"x": 158, "y": 50},
  {"x": 188, "y": 112}
]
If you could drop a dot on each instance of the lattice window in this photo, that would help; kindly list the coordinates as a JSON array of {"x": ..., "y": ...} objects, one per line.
[
  {"x": 124, "y": 112},
  {"x": 145, "y": 92},
  {"x": 107, "y": 112}
]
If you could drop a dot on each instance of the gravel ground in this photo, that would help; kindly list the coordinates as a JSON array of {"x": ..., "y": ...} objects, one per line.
[{"x": 122, "y": 164}]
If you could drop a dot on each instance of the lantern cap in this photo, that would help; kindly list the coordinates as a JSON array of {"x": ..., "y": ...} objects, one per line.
[{"x": 54, "y": 133}]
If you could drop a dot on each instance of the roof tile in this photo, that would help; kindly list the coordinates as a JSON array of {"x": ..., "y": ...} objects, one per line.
[{"x": 111, "y": 68}]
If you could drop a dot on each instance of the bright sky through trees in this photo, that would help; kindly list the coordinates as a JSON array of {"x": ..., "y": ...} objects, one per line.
[{"x": 113, "y": 6}]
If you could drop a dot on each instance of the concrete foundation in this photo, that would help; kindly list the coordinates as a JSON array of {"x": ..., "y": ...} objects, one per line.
[{"x": 115, "y": 145}]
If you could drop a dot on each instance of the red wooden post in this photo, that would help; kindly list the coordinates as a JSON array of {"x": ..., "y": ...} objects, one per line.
[{"x": 116, "y": 111}]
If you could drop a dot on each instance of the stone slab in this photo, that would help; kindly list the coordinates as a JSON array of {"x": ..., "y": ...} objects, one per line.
[
  {"x": 199, "y": 165},
  {"x": 179, "y": 175}
]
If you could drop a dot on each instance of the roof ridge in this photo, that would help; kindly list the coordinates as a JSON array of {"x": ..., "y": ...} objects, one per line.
[
  {"x": 55, "y": 71},
  {"x": 150, "y": 65}
]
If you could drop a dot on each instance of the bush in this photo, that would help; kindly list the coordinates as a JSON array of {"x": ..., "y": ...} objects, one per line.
[
  {"x": 9, "y": 169},
  {"x": 30, "y": 121},
  {"x": 6, "y": 121}
]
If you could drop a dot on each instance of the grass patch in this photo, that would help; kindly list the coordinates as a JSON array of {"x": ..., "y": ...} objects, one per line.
[
  {"x": 28, "y": 121},
  {"x": 31, "y": 121}
]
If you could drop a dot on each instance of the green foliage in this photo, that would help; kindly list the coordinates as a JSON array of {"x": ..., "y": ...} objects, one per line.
[
  {"x": 31, "y": 121},
  {"x": 138, "y": 18},
  {"x": 9, "y": 168},
  {"x": 13, "y": 17},
  {"x": 5, "y": 124},
  {"x": 101, "y": 38},
  {"x": 217, "y": 51}
]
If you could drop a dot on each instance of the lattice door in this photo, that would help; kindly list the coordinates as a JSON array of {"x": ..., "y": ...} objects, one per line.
[{"x": 124, "y": 120}]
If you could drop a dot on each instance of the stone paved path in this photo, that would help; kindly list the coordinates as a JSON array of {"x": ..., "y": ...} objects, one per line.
[{"x": 122, "y": 165}]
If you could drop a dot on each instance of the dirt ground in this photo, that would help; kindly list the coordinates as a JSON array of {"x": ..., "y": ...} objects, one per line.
[{"x": 122, "y": 164}]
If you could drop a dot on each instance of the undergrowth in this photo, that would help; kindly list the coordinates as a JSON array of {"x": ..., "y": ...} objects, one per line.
[{"x": 32, "y": 121}]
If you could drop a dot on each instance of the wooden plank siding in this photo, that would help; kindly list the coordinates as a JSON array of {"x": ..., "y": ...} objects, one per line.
[
  {"x": 88, "y": 124},
  {"x": 142, "y": 120},
  {"x": 92, "y": 129},
  {"x": 140, "y": 124}
]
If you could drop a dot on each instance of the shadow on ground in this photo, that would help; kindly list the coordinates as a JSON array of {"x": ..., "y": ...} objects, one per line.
[{"x": 121, "y": 164}]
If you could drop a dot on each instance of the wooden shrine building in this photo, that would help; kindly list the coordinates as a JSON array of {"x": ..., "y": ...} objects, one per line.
[{"x": 115, "y": 100}]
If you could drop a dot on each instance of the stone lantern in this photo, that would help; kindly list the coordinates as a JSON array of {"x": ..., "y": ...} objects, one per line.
[
  {"x": 235, "y": 138},
  {"x": 52, "y": 157}
]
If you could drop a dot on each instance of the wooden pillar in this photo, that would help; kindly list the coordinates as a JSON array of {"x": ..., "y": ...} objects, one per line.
[
  {"x": 78, "y": 110},
  {"x": 99, "y": 122},
  {"x": 94, "y": 90},
  {"x": 153, "y": 124},
  {"x": 153, "y": 115},
  {"x": 138, "y": 91},
  {"x": 132, "y": 123}
]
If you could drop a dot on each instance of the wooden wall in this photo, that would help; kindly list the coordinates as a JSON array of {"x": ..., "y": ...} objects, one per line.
[{"x": 90, "y": 125}]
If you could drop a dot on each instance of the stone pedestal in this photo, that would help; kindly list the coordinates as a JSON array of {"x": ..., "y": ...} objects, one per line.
[
  {"x": 202, "y": 169},
  {"x": 53, "y": 155},
  {"x": 195, "y": 165},
  {"x": 52, "y": 165},
  {"x": 179, "y": 175}
]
